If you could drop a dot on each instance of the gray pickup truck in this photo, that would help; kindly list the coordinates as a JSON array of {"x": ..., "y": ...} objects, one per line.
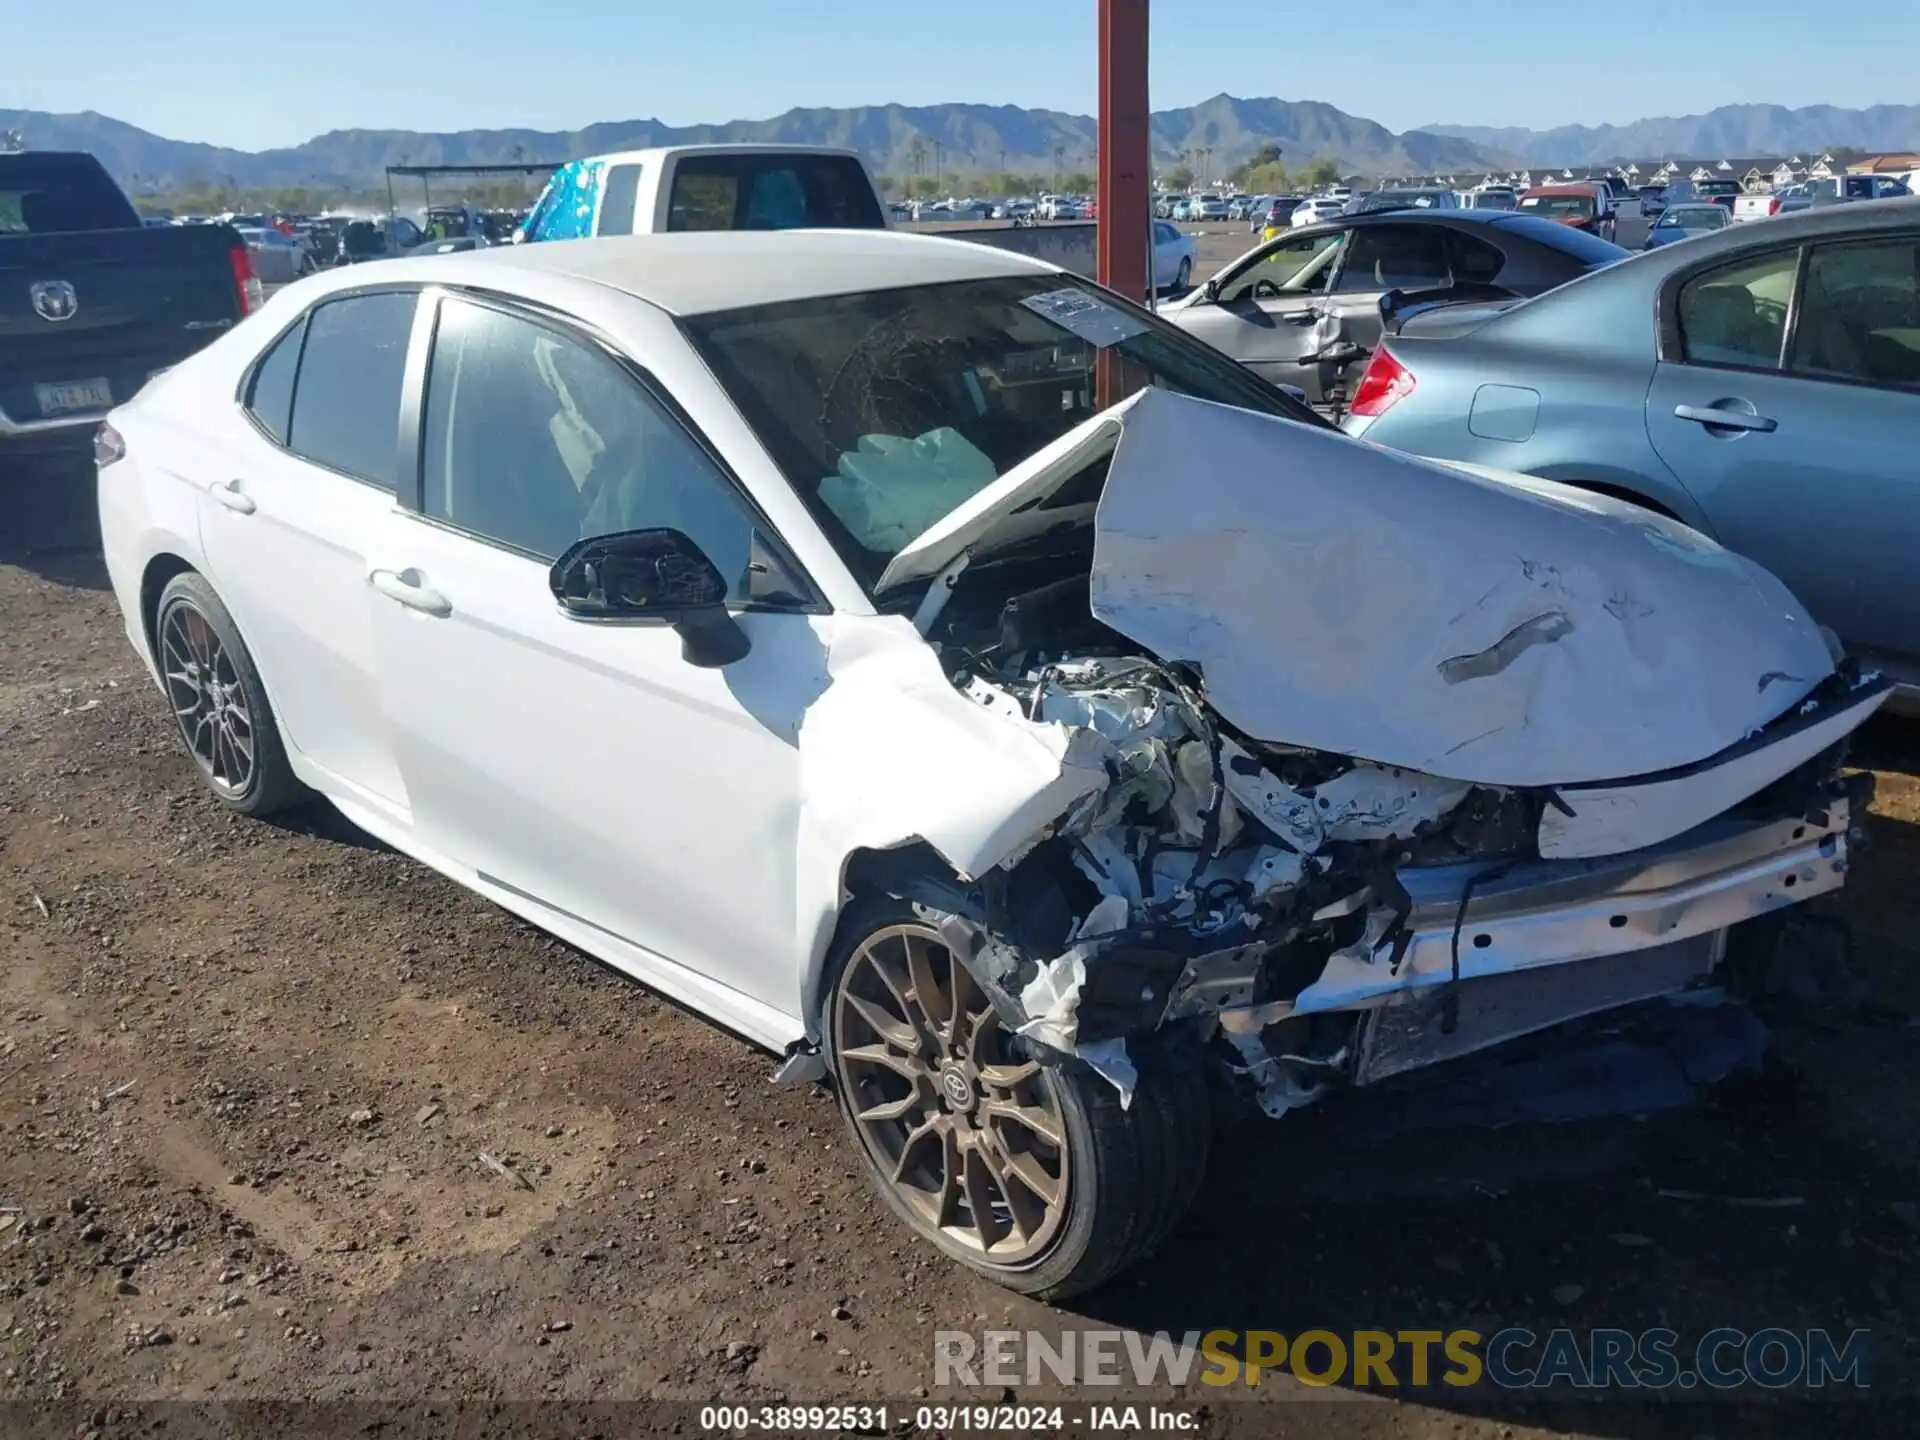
[{"x": 93, "y": 302}]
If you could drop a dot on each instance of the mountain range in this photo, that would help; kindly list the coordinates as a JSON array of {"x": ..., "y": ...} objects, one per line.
[
  {"x": 967, "y": 139},
  {"x": 1747, "y": 130}
]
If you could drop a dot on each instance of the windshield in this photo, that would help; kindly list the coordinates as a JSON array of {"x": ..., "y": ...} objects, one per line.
[
  {"x": 1693, "y": 217},
  {"x": 1570, "y": 207},
  {"x": 889, "y": 409}
]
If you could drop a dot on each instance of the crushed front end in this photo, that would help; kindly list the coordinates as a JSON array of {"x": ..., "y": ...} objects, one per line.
[{"x": 1319, "y": 922}]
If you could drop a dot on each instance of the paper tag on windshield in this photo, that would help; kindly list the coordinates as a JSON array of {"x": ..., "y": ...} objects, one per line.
[{"x": 1085, "y": 315}]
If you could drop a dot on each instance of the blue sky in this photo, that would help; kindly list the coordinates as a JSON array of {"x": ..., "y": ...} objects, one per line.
[{"x": 266, "y": 74}]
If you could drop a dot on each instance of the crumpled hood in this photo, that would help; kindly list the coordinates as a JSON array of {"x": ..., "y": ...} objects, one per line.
[{"x": 1496, "y": 629}]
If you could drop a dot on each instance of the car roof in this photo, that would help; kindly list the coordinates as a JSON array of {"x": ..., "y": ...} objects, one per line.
[
  {"x": 697, "y": 272},
  {"x": 1581, "y": 188}
]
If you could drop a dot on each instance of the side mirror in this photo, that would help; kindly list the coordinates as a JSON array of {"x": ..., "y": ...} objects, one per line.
[
  {"x": 658, "y": 575},
  {"x": 1210, "y": 292}
]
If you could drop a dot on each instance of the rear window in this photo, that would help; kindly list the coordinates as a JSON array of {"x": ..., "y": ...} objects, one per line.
[
  {"x": 50, "y": 194},
  {"x": 346, "y": 401},
  {"x": 772, "y": 192},
  {"x": 1589, "y": 250},
  {"x": 1717, "y": 187}
]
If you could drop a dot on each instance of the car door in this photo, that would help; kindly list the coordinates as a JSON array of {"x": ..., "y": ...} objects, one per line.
[
  {"x": 1264, "y": 311},
  {"x": 1807, "y": 465},
  {"x": 295, "y": 500},
  {"x": 587, "y": 765}
]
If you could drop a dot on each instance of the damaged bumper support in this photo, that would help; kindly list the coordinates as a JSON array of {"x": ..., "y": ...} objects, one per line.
[{"x": 1555, "y": 913}]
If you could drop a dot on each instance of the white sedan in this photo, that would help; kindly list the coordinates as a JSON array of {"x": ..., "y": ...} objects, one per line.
[
  {"x": 810, "y": 626},
  {"x": 1173, "y": 258}
]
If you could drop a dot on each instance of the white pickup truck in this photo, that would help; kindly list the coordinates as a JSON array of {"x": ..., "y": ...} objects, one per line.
[
  {"x": 754, "y": 187},
  {"x": 707, "y": 187}
]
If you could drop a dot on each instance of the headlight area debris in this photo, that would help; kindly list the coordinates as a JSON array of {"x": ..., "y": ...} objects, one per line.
[{"x": 1210, "y": 872}]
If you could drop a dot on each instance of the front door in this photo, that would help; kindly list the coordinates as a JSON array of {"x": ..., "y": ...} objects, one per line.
[
  {"x": 1807, "y": 466},
  {"x": 290, "y": 512},
  {"x": 589, "y": 766},
  {"x": 1267, "y": 312}
]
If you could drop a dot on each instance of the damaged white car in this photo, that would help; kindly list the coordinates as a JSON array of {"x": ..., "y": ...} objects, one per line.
[{"x": 958, "y": 681}]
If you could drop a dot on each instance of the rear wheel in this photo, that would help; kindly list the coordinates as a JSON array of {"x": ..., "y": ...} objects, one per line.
[
  {"x": 1032, "y": 1174},
  {"x": 219, "y": 704},
  {"x": 1184, "y": 276}
]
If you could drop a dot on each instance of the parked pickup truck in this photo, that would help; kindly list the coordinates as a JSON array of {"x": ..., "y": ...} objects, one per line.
[
  {"x": 93, "y": 302},
  {"x": 758, "y": 187},
  {"x": 707, "y": 187}
]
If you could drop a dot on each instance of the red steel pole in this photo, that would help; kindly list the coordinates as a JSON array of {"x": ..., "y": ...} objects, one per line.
[{"x": 1124, "y": 139}]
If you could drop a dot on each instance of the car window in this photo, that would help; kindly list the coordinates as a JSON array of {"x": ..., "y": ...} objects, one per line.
[
  {"x": 617, "y": 200},
  {"x": 346, "y": 402},
  {"x": 270, "y": 395},
  {"x": 1395, "y": 257},
  {"x": 1165, "y": 233},
  {"x": 534, "y": 439},
  {"x": 1474, "y": 260},
  {"x": 886, "y": 410},
  {"x": 1299, "y": 265},
  {"x": 1860, "y": 313},
  {"x": 759, "y": 192},
  {"x": 1737, "y": 315}
]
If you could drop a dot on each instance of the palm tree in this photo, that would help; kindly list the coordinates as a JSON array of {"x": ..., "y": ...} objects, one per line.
[
  {"x": 917, "y": 152},
  {"x": 1059, "y": 154}
]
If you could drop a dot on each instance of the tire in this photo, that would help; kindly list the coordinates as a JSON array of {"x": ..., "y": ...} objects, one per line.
[
  {"x": 1121, "y": 1177},
  {"x": 1183, "y": 277},
  {"x": 220, "y": 708}
]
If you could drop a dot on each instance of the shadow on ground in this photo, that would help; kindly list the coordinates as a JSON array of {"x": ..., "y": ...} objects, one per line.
[{"x": 50, "y": 519}]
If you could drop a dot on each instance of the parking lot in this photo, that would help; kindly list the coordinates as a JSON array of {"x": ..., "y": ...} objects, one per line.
[{"x": 249, "y": 1073}]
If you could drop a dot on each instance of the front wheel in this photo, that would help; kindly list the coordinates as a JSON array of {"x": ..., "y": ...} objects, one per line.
[{"x": 1034, "y": 1175}]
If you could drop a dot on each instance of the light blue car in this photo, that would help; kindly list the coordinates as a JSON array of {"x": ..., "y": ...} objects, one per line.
[{"x": 1761, "y": 384}]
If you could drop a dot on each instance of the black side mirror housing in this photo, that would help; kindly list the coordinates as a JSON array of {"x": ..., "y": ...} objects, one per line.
[
  {"x": 1210, "y": 292},
  {"x": 658, "y": 575}
]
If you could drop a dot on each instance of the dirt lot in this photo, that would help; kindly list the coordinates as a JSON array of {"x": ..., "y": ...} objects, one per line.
[{"x": 246, "y": 1072}]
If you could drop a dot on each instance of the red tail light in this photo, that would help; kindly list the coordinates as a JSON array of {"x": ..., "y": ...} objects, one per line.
[
  {"x": 246, "y": 284},
  {"x": 1385, "y": 383},
  {"x": 108, "y": 446},
  {"x": 1773, "y": 205}
]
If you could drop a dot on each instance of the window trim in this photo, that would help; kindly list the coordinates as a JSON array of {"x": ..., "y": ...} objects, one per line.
[
  {"x": 245, "y": 387},
  {"x": 517, "y": 307}
]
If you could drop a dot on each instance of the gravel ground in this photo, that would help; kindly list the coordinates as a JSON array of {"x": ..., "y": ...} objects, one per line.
[{"x": 247, "y": 1072}]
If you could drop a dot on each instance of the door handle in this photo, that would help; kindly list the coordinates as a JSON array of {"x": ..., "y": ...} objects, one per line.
[
  {"x": 395, "y": 585},
  {"x": 230, "y": 495},
  {"x": 1726, "y": 419},
  {"x": 1300, "y": 317}
]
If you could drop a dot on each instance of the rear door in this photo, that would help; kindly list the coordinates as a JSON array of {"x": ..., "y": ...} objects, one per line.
[
  {"x": 1265, "y": 313},
  {"x": 295, "y": 501},
  {"x": 1798, "y": 439}
]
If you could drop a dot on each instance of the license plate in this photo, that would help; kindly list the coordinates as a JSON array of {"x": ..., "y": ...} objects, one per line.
[{"x": 74, "y": 395}]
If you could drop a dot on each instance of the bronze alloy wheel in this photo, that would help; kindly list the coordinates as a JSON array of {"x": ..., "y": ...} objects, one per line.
[
  {"x": 970, "y": 1135},
  {"x": 208, "y": 699}
]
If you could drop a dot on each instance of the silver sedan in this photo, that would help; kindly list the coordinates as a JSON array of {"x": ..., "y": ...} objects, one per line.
[{"x": 1761, "y": 384}]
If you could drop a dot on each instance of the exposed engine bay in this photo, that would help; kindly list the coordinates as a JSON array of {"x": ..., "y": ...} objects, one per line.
[{"x": 1218, "y": 880}]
